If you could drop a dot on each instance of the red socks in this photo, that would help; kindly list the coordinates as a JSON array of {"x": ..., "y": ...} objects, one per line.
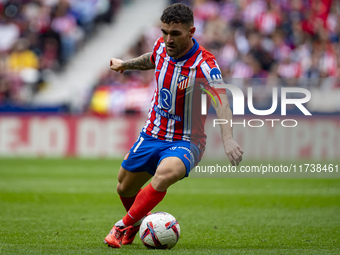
[
  {"x": 145, "y": 201},
  {"x": 128, "y": 201}
]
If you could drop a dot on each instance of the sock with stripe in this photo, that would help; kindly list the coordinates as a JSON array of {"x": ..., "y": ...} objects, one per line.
[{"x": 145, "y": 201}]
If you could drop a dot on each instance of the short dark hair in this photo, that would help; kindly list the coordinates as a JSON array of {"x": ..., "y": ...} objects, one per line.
[{"x": 178, "y": 13}]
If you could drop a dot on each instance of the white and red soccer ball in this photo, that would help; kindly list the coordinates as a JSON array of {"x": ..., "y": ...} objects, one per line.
[{"x": 159, "y": 230}]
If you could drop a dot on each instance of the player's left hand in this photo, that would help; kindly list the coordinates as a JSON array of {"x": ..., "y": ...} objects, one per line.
[
  {"x": 116, "y": 65},
  {"x": 233, "y": 151}
]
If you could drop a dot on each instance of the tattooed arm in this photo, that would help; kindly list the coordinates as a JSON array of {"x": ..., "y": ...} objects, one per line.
[{"x": 140, "y": 63}]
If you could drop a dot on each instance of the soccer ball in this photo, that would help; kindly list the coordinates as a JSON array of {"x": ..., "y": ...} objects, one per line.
[{"x": 159, "y": 230}]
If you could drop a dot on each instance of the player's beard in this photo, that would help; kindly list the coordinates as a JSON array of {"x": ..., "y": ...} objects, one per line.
[{"x": 177, "y": 51}]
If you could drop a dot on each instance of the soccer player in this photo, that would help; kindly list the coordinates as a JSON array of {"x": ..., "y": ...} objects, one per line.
[{"x": 172, "y": 140}]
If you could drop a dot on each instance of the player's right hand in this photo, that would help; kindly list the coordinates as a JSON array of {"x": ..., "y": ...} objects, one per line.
[
  {"x": 233, "y": 151},
  {"x": 116, "y": 65}
]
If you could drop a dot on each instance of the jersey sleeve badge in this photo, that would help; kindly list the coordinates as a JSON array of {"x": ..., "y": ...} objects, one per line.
[{"x": 216, "y": 76}]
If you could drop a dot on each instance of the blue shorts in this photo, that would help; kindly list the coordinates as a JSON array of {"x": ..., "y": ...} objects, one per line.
[{"x": 147, "y": 152}]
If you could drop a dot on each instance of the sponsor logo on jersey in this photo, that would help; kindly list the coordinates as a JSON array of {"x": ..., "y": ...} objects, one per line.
[
  {"x": 166, "y": 114},
  {"x": 166, "y": 98},
  {"x": 183, "y": 82}
]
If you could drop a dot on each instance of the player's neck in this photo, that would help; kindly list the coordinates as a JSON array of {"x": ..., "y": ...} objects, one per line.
[{"x": 188, "y": 48}]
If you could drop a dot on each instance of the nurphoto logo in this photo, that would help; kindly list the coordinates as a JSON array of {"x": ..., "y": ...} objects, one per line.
[{"x": 239, "y": 105}]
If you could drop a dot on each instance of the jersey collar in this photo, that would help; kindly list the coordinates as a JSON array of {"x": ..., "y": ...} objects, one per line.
[{"x": 189, "y": 54}]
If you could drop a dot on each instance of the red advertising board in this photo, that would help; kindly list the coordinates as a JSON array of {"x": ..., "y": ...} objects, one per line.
[{"x": 89, "y": 136}]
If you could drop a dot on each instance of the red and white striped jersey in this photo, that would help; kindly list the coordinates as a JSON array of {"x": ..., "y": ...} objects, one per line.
[
  {"x": 289, "y": 70},
  {"x": 267, "y": 22},
  {"x": 175, "y": 112}
]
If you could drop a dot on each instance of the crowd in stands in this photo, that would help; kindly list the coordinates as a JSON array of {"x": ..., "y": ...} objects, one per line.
[
  {"x": 272, "y": 38},
  {"x": 296, "y": 42},
  {"x": 41, "y": 35}
]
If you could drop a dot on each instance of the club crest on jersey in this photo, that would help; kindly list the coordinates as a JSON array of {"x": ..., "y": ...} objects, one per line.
[{"x": 183, "y": 82}]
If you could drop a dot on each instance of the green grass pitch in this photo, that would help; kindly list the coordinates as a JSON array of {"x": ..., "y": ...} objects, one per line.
[{"x": 67, "y": 206}]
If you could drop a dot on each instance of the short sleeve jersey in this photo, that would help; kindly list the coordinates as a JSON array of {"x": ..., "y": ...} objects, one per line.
[{"x": 175, "y": 112}]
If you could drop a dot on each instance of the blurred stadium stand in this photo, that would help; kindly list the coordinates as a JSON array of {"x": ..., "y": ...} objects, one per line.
[
  {"x": 52, "y": 52},
  {"x": 41, "y": 37}
]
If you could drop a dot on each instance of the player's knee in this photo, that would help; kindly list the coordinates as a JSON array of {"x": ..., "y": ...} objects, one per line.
[
  {"x": 168, "y": 175},
  {"x": 164, "y": 178},
  {"x": 123, "y": 190},
  {"x": 120, "y": 189}
]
